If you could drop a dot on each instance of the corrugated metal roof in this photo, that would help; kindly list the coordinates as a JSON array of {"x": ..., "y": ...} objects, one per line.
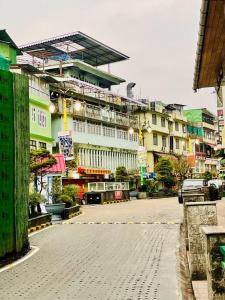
[{"x": 60, "y": 166}]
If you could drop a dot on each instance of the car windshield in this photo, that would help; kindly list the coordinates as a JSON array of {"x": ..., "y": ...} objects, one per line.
[{"x": 194, "y": 183}]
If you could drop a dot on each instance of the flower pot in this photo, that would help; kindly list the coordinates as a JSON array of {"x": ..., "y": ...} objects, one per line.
[{"x": 55, "y": 209}]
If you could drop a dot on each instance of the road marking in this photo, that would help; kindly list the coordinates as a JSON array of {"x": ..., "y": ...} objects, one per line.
[
  {"x": 124, "y": 223},
  {"x": 33, "y": 251}
]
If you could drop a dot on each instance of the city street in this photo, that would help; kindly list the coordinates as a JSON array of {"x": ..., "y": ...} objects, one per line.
[{"x": 115, "y": 251}]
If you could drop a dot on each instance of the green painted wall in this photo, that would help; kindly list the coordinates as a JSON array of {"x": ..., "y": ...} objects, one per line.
[
  {"x": 8, "y": 52},
  {"x": 193, "y": 115}
]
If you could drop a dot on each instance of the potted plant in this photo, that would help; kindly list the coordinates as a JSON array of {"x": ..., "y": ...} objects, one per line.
[{"x": 35, "y": 199}]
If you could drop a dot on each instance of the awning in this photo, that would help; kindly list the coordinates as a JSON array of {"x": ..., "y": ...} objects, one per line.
[
  {"x": 60, "y": 166},
  {"x": 93, "y": 171}
]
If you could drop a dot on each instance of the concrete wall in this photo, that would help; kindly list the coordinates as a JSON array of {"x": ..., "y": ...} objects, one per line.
[{"x": 199, "y": 213}]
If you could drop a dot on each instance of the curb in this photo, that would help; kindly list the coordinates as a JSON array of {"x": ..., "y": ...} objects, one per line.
[
  {"x": 116, "y": 201},
  {"x": 74, "y": 214},
  {"x": 38, "y": 227}
]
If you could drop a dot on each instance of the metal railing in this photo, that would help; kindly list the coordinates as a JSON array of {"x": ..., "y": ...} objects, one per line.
[{"x": 107, "y": 186}]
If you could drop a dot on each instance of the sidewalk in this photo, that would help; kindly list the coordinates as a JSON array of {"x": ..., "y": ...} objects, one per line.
[{"x": 200, "y": 287}]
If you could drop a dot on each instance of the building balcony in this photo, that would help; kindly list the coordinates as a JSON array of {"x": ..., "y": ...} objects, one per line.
[{"x": 93, "y": 112}]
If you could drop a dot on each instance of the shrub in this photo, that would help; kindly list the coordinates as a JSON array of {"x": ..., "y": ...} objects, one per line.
[
  {"x": 65, "y": 199},
  {"x": 36, "y": 198},
  {"x": 71, "y": 191}
]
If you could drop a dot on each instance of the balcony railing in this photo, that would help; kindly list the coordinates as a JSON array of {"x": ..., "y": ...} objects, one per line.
[
  {"x": 101, "y": 114},
  {"x": 200, "y": 155}
]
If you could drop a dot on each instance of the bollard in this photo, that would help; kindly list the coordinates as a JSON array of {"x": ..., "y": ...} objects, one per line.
[
  {"x": 198, "y": 214},
  {"x": 214, "y": 251}
]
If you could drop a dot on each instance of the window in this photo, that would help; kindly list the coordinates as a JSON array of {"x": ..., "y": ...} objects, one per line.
[
  {"x": 164, "y": 141},
  {"x": 176, "y": 126},
  {"x": 79, "y": 126},
  {"x": 41, "y": 118},
  {"x": 42, "y": 145},
  {"x": 122, "y": 134},
  {"x": 177, "y": 144},
  {"x": 154, "y": 119},
  {"x": 184, "y": 128},
  {"x": 133, "y": 137},
  {"x": 94, "y": 128},
  {"x": 109, "y": 131},
  {"x": 155, "y": 139},
  {"x": 163, "y": 122},
  {"x": 33, "y": 114},
  {"x": 33, "y": 144}
]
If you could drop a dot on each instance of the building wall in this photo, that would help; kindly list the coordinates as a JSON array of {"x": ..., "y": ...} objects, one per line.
[{"x": 9, "y": 52}]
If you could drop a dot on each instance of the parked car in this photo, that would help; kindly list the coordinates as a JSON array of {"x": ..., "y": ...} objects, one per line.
[{"x": 211, "y": 190}]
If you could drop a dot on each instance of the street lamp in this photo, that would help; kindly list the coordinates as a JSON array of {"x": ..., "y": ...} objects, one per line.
[
  {"x": 77, "y": 105},
  {"x": 131, "y": 130}
]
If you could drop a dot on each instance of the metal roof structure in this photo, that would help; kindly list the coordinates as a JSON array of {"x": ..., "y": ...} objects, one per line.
[
  {"x": 210, "y": 55},
  {"x": 76, "y": 45}
]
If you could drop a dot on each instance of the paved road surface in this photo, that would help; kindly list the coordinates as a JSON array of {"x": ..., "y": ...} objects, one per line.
[{"x": 116, "y": 256}]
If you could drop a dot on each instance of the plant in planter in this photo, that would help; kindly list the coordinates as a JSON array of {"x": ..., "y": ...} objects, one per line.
[
  {"x": 71, "y": 190},
  {"x": 63, "y": 198},
  {"x": 35, "y": 199}
]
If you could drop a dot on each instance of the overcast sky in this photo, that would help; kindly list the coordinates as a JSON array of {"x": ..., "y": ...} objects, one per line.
[{"x": 159, "y": 36}]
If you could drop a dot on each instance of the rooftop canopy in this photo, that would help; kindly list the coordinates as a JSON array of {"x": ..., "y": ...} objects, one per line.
[
  {"x": 76, "y": 45},
  {"x": 5, "y": 38},
  {"x": 209, "y": 66}
]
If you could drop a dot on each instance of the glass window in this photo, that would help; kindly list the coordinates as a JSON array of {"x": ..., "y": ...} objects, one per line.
[
  {"x": 155, "y": 139},
  {"x": 33, "y": 144},
  {"x": 176, "y": 126},
  {"x": 164, "y": 141},
  {"x": 42, "y": 145},
  {"x": 79, "y": 126},
  {"x": 184, "y": 128},
  {"x": 33, "y": 114},
  {"x": 177, "y": 144},
  {"x": 163, "y": 122},
  {"x": 154, "y": 119}
]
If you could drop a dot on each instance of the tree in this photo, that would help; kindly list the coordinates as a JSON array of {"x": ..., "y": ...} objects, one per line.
[
  {"x": 164, "y": 169},
  {"x": 40, "y": 161},
  {"x": 208, "y": 175},
  {"x": 181, "y": 168},
  {"x": 122, "y": 174}
]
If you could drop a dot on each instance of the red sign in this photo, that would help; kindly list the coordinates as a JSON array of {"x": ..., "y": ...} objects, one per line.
[{"x": 118, "y": 195}]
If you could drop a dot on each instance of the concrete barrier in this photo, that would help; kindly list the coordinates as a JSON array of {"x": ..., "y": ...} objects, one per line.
[
  {"x": 214, "y": 238},
  {"x": 186, "y": 199},
  {"x": 198, "y": 213}
]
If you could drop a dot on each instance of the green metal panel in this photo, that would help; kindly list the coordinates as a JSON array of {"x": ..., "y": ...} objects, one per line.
[
  {"x": 21, "y": 131},
  {"x": 7, "y": 233},
  {"x": 14, "y": 157}
]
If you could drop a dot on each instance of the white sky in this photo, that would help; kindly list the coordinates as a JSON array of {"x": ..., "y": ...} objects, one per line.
[{"x": 160, "y": 36}]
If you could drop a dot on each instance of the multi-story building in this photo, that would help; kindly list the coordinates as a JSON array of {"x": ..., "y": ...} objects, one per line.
[
  {"x": 39, "y": 102},
  {"x": 103, "y": 132},
  {"x": 163, "y": 131},
  {"x": 202, "y": 139}
]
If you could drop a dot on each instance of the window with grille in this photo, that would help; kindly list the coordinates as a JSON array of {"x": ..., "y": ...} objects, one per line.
[
  {"x": 79, "y": 126},
  {"x": 154, "y": 119},
  {"x": 33, "y": 144},
  {"x": 42, "y": 145},
  {"x": 164, "y": 141},
  {"x": 155, "y": 139},
  {"x": 94, "y": 128}
]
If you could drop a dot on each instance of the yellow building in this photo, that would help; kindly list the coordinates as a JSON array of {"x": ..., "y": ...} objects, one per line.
[{"x": 163, "y": 131}]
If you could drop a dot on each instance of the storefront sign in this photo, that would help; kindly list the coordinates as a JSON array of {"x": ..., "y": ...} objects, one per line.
[{"x": 118, "y": 195}]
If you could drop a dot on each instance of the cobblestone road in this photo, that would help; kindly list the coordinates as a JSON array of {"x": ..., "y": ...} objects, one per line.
[{"x": 122, "y": 260}]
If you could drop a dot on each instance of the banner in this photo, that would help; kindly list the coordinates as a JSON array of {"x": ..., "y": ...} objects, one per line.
[{"x": 66, "y": 145}]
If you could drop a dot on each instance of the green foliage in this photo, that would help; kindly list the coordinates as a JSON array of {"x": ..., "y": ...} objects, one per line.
[
  {"x": 56, "y": 188},
  {"x": 65, "y": 199},
  {"x": 71, "y": 164},
  {"x": 40, "y": 161},
  {"x": 208, "y": 175},
  {"x": 71, "y": 191},
  {"x": 152, "y": 185},
  {"x": 164, "y": 169},
  {"x": 181, "y": 168},
  {"x": 121, "y": 174},
  {"x": 36, "y": 198}
]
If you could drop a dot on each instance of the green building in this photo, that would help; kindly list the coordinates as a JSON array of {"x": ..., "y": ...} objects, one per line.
[
  {"x": 14, "y": 154},
  {"x": 39, "y": 102}
]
